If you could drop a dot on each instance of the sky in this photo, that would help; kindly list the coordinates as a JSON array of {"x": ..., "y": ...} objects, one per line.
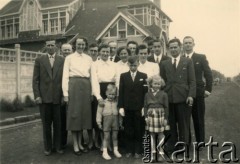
[{"x": 215, "y": 26}]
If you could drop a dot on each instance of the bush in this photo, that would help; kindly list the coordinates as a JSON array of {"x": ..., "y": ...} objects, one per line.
[
  {"x": 6, "y": 105},
  {"x": 29, "y": 102},
  {"x": 11, "y": 106},
  {"x": 18, "y": 105}
]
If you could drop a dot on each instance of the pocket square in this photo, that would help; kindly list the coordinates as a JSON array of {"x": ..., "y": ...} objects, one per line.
[
  {"x": 197, "y": 63},
  {"x": 140, "y": 79},
  {"x": 184, "y": 68}
]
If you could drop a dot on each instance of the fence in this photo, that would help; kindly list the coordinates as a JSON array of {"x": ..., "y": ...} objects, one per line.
[{"x": 16, "y": 71}]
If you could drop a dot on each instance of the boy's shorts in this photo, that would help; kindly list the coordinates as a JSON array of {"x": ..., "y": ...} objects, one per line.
[{"x": 110, "y": 123}]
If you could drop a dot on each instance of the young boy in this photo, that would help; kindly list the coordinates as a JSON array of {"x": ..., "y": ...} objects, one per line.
[
  {"x": 132, "y": 89},
  {"x": 108, "y": 121}
]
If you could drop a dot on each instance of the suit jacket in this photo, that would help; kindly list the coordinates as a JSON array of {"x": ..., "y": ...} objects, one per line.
[
  {"x": 131, "y": 93},
  {"x": 181, "y": 83},
  {"x": 47, "y": 81},
  {"x": 202, "y": 70},
  {"x": 116, "y": 59}
]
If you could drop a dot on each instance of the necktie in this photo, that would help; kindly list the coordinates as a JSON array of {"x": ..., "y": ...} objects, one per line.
[
  {"x": 133, "y": 76},
  {"x": 111, "y": 58},
  {"x": 51, "y": 59},
  {"x": 175, "y": 64},
  {"x": 157, "y": 60},
  {"x": 187, "y": 56}
]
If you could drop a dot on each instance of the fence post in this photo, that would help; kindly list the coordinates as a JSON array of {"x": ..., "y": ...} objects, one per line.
[{"x": 18, "y": 70}]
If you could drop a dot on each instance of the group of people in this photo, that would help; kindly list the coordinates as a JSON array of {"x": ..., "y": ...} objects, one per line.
[{"x": 104, "y": 88}]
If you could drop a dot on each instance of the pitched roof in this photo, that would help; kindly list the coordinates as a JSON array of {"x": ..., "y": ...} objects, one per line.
[
  {"x": 14, "y": 5},
  {"x": 99, "y": 14}
]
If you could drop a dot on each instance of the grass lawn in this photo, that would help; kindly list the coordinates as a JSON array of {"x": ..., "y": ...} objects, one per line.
[{"x": 26, "y": 111}]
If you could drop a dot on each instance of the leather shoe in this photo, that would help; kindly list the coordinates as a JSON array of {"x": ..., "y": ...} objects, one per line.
[
  {"x": 60, "y": 151},
  {"x": 78, "y": 153},
  {"x": 47, "y": 153},
  {"x": 84, "y": 150}
]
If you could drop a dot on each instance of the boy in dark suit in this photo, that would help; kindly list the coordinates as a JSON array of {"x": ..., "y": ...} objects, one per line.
[
  {"x": 202, "y": 70},
  {"x": 178, "y": 73},
  {"x": 47, "y": 89},
  {"x": 132, "y": 89}
]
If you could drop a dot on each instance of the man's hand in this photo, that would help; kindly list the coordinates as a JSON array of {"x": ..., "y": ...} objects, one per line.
[
  {"x": 189, "y": 101},
  {"x": 65, "y": 99},
  {"x": 206, "y": 94},
  {"x": 38, "y": 100},
  {"x": 142, "y": 112},
  {"x": 121, "y": 112}
]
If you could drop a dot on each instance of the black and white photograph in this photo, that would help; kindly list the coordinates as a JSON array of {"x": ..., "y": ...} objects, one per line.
[{"x": 119, "y": 81}]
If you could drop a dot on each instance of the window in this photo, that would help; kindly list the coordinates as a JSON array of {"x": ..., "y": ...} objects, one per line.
[
  {"x": 113, "y": 31},
  {"x": 130, "y": 30},
  {"x": 122, "y": 34},
  {"x": 16, "y": 29},
  {"x": 54, "y": 22},
  {"x": 3, "y": 31},
  {"x": 9, "y": 31}
]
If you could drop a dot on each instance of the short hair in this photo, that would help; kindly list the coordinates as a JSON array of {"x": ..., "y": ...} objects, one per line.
[
  {"x": 93, "y": 45},
  {"x": 175, "y": 40},
  {"x": 157, "y": 78},
  {"x": 123, "y": 48},
  {"x": 104, "y": 45},
  {"x": 111, "y": 88},
  {"x": 132, "y": 42},
  {"x": 158, "y": 40},
  {"x": 84, "y": 39},
  {"x": 141, "y": 47},
  {"x": 133, "y": 59},
  {"x": 150, "y": 43},
  {"x": 188, "y": 37}
]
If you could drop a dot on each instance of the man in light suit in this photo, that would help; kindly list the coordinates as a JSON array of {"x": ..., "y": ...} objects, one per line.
[
  {"x": 47, "y": 89},
  {"x": 178, "y": 73},
  {"x": 202, "y": 70},
  {"x": 132, "y": 89}
]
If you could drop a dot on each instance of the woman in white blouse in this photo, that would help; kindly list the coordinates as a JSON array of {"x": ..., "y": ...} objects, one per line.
[
  {"x": 122, "y": 65},
  {"x": 145, "y": 66},
  {"x": 77, "y": 93}
]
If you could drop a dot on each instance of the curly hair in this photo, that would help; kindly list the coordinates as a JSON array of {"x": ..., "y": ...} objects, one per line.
[{"x": 155, "y": 78}]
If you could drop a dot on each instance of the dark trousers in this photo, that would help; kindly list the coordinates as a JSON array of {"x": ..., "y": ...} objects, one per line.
[
  {"x": 179, "y": 121},
  {"x": 133, "y": 131},
  {"x": 51, "y": 115},
  {"x": 63, "y": 123},
  {"x": 198, "y": 112}
]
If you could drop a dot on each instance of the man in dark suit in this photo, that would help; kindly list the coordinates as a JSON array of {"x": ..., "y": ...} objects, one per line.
[
  {"x": 158, "y": 56},
  {"x": 132, "y": 89},
  {"x": 202, "y": 70},
  {"x": 113, "y": 52},
  {"x": 178, "y": 73},
  {"x": 47, "y": 89},
  {"x": 66, "y": 49}
]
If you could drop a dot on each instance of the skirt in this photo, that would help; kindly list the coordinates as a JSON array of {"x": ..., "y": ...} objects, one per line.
[
  {"x": 156, "y": 122},
  {"x": 79, "y": 113}
]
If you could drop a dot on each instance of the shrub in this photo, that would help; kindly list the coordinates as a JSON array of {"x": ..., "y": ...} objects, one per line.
[
  {"x": 18, "y": 105},
  {"x": 6, "y": 105},
  {"x": 11, "y": 106},
  {"x": 29, "y": 102}
]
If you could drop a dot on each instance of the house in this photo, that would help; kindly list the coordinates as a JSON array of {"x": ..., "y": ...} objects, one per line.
[{"x": 31, "y": 22}]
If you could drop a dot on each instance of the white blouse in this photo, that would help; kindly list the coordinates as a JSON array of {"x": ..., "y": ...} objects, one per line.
[
  {"x": 102, "y": 71},
  {"x": 149, "y": 68},
  {"x": 75, "y": 65},
  {"x": 121, "y": 68}
]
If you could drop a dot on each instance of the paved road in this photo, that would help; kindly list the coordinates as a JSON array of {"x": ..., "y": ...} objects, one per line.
[{"x": 24, "y": 144}]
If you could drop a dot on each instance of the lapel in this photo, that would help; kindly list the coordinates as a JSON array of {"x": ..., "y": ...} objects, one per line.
[
  {"x": 56, "y": 65},
  {"x": 194, "y": 57},
  {"x": 180, "y": 64},
  {"x": 136, "y": 79},
  {"x": 47, "y": 65},
  {"x": 170, "y": 65}
]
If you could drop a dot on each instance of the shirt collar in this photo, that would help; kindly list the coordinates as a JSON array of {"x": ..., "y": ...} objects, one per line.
[
  {"x": 178, "y": 58},
  {"x": 154, "y": 91},
  {"x": 190, "y": 55},
  {"x": 159, "y": 56},
  {"x": 51, "y": 56}
]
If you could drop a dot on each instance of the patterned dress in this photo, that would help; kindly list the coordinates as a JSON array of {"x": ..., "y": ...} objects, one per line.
[{"x": 156, "y": 111}]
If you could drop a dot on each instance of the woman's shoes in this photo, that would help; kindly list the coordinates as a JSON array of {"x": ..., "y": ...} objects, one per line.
[
  {"x": 84, "y": 150},
  {"x": 78, "y": 153}
]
